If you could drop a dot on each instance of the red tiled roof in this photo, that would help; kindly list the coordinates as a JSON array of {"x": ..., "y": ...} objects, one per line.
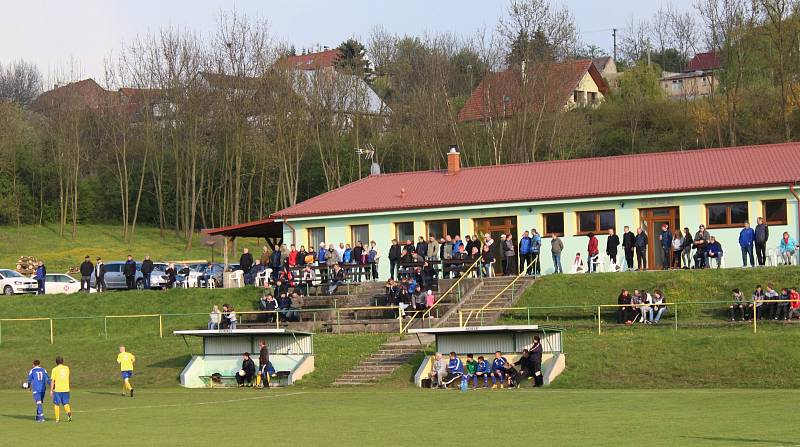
[
  {"x": 704, "y": 61},
  {"x": 641, "y": 174},
  {"x": 311, "y": 61},
  {"x": 75, "y": 96},
  {"x": 498, "y": 93}
]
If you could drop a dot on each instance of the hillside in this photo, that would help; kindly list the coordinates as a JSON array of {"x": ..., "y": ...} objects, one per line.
[{"x": 104, "y": 241}]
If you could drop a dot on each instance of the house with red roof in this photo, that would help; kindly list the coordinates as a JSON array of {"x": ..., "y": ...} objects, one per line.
[
  {"x": 720, "y": 189},
  {"x": 320, "y": 60},
  {"x": 699, "y": 79},
  {"x": 553, "y": 86}
]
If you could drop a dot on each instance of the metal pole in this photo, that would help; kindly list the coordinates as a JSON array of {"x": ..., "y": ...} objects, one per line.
[
  {"x": 529, "y": 315},
  {"x": 160, "y": 327},
  {"x": 676, "y": 316},
  {"x": 755, "y": 318},
  {"x": 51, "y": 331},
  {"x": 105, "y": 326},
  {"x": 598, "y": 321},
  {"x": 460, "y": 318}
]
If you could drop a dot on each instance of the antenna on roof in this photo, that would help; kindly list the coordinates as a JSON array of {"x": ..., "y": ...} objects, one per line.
[{"x": 368, "y": 151}]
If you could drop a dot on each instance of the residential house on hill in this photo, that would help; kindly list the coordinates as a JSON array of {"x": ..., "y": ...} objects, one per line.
[
  {"x": 697, "y": 80},
  {"x": 562, "y": 85},
  {"x": 321, "y": 60}
]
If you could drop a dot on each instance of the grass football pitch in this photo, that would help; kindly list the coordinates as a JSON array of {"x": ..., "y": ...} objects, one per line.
[{"x": 174, "y": 416}]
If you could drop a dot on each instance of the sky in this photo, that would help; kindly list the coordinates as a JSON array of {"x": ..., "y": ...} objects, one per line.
[{"x": 76, "y": 36}]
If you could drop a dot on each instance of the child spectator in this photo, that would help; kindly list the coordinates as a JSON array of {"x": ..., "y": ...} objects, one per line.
[
  {"x": 438, "y": 371},
  {"x": 794, "y": 304},
  {"x": 737, "y": 305},
  {"x": 658, "y": 305},
  {"x": 498, "y": 367},
  {"x": 756, "y": 307},
  {"x": 430, "y": 300},
  {"x": 214, "y": 318},
  {"x": 783, "y": 306},
  {"x": 471, "y": 370}
]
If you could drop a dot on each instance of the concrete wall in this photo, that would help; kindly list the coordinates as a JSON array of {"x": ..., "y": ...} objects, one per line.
[{"x": 530, "y": 215}]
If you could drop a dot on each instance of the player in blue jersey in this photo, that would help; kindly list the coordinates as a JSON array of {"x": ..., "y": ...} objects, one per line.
[
  {"x": 498, "y": 369},
  {"x": 38, "y": 382}
]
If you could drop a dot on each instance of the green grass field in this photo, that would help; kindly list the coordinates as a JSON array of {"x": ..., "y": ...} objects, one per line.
[{"x": 656, "y": 417}]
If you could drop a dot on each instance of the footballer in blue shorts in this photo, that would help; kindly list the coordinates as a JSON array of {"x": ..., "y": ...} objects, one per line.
[{"x": 38, "y": 383}]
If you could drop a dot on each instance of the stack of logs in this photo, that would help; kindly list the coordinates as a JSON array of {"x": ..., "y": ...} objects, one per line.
[{"x": 26, "y": 265}]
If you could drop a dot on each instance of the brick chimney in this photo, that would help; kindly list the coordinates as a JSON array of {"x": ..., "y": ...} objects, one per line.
[{"x": 453, "y": 160}]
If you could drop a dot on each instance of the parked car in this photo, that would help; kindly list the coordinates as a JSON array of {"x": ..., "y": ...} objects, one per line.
[
  {"x": 197, "y": 270},
  {"x": 12, "y": 283},
  {"x": 115, "y": 279},
  {"x": 61, "y": 283}
]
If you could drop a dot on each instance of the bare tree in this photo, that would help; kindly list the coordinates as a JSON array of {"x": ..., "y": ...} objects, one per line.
[
  {"x": 532, "y": 17},
  {"x": 20, "y": 82}
]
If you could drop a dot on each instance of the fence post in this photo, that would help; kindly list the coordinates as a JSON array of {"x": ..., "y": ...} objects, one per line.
[
  {"x": 105, "y": 326},
  {"x": 755, "y": 318},
  {"x": 529, "y": 315},
  {"x": 598, "y": 321},
  {"x": 160, "y": 327},
  {"x": 51, "y": 331}
]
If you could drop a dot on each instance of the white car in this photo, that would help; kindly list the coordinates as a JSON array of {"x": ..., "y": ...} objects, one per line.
[
  {"x": 61, "y": 283},
  {"x": 12, "y": 283}
]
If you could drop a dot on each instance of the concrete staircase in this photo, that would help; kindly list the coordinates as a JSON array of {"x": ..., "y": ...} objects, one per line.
[
  {"x": 483, "y": 295},
  {"x": 384, "y": 362}
]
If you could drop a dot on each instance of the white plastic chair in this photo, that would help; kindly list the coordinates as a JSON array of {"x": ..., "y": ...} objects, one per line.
[
  {"x": 238, "y": 278},
  {"x": 261, "y": 278},
  {"x": 597, "y": 263}
]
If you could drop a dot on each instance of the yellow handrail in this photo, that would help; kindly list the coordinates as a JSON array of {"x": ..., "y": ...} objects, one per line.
[
  {"x": 485, "y": 306},
  {"x": 441, "y": 297}
]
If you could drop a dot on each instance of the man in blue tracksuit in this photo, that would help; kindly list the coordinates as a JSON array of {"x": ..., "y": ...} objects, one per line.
[
  {"x": 498, "y": 369},
  {"x": 455, "y": 369},
  {"x": 482, "y": 370},
  {"x": 746, "y": 239},
  {"x": 525, "y": 252}
]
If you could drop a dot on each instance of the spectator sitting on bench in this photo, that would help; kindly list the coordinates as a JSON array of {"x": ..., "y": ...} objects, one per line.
[
  {"x": 337, "y": 278},
  {"x": 482, "y": 370},
  {"x": 403, "y": 300},
  {"x": 419, "y": 299},
  {"x": 428, "y": 274},
  {"x": 297, "y": 303},
  {"x": 737, "y": 305},
  {"x": 756, "y": 306},
  {"x": 391, "y": 289},
  {"x": 307, "y": 276},
  {"x": 471, "y": 368},
  {"x": 287, "y": 277},
  {"x": 268, "y": 304},
  {"x": 498, "y": 369},
  {"x": 280, "y": 288},
  {"x": 438, "y": 371},
  {"x": 250, "y": 277},
  {"x": 205, "y": 278},
  {"x": 783, "y": 307},
  {"x": 526, "y": 368},
  {"x": 248, "y": 371},
  {"x": 225, "y": 323},
  {"x": 284, "y": 303},
  {"x": 511, "y": 374},
  {"x": 455, "y": 369},
  {"x": 794, "y": 303}
]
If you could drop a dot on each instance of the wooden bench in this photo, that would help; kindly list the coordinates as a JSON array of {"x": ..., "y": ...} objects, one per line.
[{"x": 280, "y": 378}]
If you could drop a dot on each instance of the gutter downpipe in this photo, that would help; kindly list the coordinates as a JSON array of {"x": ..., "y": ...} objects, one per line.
[
  {"x": 797, "y": 201},
  {"x": 294, "y": 231}
]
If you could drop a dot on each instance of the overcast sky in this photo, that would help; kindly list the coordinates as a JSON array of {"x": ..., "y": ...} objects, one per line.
[{"x": 53, "y": 33}]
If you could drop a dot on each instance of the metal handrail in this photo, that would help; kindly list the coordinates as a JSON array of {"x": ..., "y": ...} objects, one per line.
[
  {"x": 510, "y": 284},
  {"x": 404, "y": 329}
]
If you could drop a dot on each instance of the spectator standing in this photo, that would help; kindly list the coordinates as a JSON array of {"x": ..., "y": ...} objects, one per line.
[
  {"x": 86, "y": 270},
  {"x": 100, "y": 276},
  {"x": 686, "y": 254},
  {"x": 265, "y": 255},
  {"x": 147, "y": 269},
  {"x": 666, "y": 246},
  {"x": 509, "y": 256},
  {"x": 170, "y": 272},
  {"x": 746, "y": 239},
  {"x": 301, "y": 256},
  {"x": 701, "y": 239},
  {"x": 422, "y": 247},
  {"x": 433, "y": 248},
  {"x": 536, "y": 357},
  {"x": 536, "y": 251},
  {"x": 556, "y": 247},
  {"x": 129, "y": 270},
  {"x": 628, "y": 244},
  {"x": 714, "y": 251},
  {"x": 641, "y": 249},
  {"x": 787, "y": 248},
  {"x": 395, "y": 252},
  {"x": 525, "y": 253},
  {"x": 762, "y": 236},
  {"x": 612, "y": 242},
  {"x": 487, "y": 259},
  {"x": 359, "y": 258},
  {"x": 594, "y": 253},
  {"x": 373, "y": 256},
  {"x": 340, "y": 252},
  {"x": 246, "y": 260},
  {"x": 263, "y": 363},
  {"x": 40, "y": 276},
  {"x": 677, "y": 249},
  {"x": 320, "y": 262},
  {"x": 291, "y": 261}
]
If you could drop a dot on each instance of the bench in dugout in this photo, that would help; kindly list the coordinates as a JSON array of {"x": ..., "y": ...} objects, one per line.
[{"x": 217, "y": 380}]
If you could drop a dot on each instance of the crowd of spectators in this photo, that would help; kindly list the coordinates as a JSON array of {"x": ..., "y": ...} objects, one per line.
[
  {"x": 765, "y": 304},
  {"x": 640, "y": 306}
]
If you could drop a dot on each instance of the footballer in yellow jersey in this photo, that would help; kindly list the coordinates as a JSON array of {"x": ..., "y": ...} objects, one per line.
[
  {"x": 59, "y": 389},
  {"x": 126, "y": 361}
]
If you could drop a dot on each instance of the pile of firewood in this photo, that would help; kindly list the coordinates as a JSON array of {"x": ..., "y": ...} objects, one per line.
[{"x": 26, "y": 265}]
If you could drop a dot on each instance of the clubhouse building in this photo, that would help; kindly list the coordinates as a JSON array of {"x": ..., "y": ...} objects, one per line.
[{"x": 719, "y": 188}]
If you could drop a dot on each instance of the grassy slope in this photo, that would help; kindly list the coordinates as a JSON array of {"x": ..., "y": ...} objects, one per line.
[
  {"x": 658, "y": 417},
  {"x": 95, "y": 240},
  {"x": 678, "y": 286}
]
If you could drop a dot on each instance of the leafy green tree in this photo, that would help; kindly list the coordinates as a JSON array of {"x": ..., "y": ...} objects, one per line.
[{"x": 353, "y": 59}]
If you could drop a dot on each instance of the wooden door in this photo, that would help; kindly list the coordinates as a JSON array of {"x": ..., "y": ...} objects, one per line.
[
  {"x": 497, "y": 226},
  {"x": 651, "y": 220}
]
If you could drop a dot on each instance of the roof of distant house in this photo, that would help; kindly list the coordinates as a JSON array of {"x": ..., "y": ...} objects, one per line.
[
  {"x": 601, "y": 62},
  {"x": 687, "y": 75},
  {"x": 80, "y": 95},
  {"x": 311, "y": 61},
  {"x": 704, "y": 61},
  {"x": 498, "y": 93},
  {"x": 626, "y": 175}
]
